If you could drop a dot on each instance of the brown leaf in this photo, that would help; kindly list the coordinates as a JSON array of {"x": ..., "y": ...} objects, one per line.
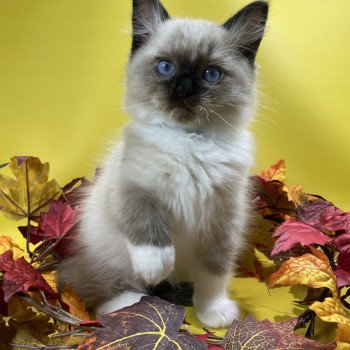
[
  {"x": 152, "y": 323},
  {"x": 251, "y": 334},
  {"x": 271, "y": 200}
]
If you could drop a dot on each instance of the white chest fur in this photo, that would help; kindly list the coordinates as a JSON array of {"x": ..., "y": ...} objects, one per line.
[{"x": 185, "y": 169}]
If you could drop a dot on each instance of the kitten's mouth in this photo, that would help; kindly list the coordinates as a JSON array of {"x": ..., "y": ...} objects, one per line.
[
  {"x": 181, "y": 111},
  {"x": 182, "y": 114}
]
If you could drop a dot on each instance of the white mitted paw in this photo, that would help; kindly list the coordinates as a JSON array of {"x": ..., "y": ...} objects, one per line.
[
  {"x": 218, "y": 313},
  {"x": 119, "y": 301},
  {"x": 152, "y": 264}
]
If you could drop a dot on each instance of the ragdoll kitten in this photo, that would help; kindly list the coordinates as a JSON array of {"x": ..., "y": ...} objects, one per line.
[{"x": 171, "y": 200}]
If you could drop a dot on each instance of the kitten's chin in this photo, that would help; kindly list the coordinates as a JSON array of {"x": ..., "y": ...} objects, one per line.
[{"x": 182, "y": 115}]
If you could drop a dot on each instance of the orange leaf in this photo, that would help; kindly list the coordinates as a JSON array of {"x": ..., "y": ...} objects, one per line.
[
  {"x": 313, "y": 271},
  {"x": 275, "y": 172},
  {"x": 76, "y": 306}
]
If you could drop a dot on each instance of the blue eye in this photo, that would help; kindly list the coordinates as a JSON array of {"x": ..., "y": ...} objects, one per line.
[
  {"x": 211, "y": 75},
  {"x": 165, "y": 68}
]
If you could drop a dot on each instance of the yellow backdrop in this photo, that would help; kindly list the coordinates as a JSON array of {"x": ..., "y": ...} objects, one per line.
[{"x": 61, "y": 85}]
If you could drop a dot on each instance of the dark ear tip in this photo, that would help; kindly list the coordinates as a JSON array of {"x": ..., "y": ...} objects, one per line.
[{"x": 262, "y": 6}]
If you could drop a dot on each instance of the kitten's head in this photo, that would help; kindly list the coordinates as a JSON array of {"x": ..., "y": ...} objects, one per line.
[{"x": 193, "y": 72}]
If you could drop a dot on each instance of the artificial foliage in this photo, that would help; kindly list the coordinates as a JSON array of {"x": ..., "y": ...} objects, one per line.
[{"x": 306, "y": 236}]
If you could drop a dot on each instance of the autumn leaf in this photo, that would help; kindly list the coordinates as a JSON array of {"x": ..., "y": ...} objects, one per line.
[
  {"x": 20, "y": 276},
  {"x": 76, "y": 306},
  {"x": 29, "y": 192},
  {"x": 3, "y": 305},
  {"x": 74, "y": 191},
  {"x": 271, "y": 200},
  {"x": 35, "y": 236},
  {"x": 58, "y": 221},
  {"x": 343, "y": 337},
  {"x": 248, "y": 265},
  {"x": 7, "y": 243},
  {"x": 342, "y": 272},
  {"x": 314, "y": 271},
  {"x": 251, "y": 334},
  {"x": 58, "y": 225},
  {"x": 152, "y": 323},
  {"x": 330, "y": 310},
  {"x": 29, "y": 335},
  {"x": 309, "y": 269},
  {"x": 325, "y": 216},
  {"x": 275, "y": 172},
  {"x": 293, "y": 232}
]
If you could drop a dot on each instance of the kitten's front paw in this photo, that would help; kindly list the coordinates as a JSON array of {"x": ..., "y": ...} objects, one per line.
[
  {"x": 152, "y": 264},
  {"x": 218, "y": 313}
]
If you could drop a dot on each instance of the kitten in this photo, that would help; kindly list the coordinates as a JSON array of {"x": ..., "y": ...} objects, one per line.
[{"x": 171, "y": 201}]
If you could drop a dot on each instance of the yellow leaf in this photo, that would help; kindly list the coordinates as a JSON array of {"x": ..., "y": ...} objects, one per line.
[
  {"x": 7, "y": 243},
  {"x": 307, "y": 269},
  {"x": 51, "y": 278},
  {"x": 275, "y": 172},
  {"x": 296, "y": 195},
  {"x": 343, "y": 336},
  {"x": 76, "y": 306},
  {"x": 28, "y": 193},
  {"x": 314, "y": 271},
  {"x": 330, "y": 310}
]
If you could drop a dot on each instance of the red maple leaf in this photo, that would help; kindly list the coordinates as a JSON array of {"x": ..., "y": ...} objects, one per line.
[
  {"x": 325, "y": 216},
  {"x": 20, "y": 276},
  {"x": 58, "y": 221},
  {"x": 57, "y": 226},
  {"x": 35, "y": 234},
  {"x": 342, "y": 243},
  {"x": 293, "y": 232}
]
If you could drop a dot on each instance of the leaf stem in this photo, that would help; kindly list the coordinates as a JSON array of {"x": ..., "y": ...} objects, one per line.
[
  {"x": 59, "y": 315},
  {"x": 77, "y": 333},
  {"x": 28, "y": 237},
  {"x": 49, "y": 266},
  {"x": 46, "y": 252},
  {"x": 28, "y": 213}
]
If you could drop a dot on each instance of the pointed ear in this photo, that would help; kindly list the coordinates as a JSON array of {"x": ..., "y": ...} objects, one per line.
[
  {"x": 247, "y": 27},
  {"x": 146, "y": 16}
]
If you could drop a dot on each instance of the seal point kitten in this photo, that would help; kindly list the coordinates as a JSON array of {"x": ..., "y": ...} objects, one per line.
[{"x": 171, "y": 201}]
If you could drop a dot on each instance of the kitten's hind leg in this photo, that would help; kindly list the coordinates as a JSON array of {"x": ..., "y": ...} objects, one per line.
[{"x": 119, "y": 301}]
